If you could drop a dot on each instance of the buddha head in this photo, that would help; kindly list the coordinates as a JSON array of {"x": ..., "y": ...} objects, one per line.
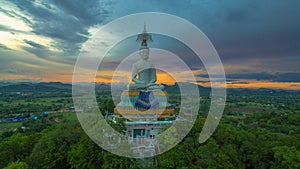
[{"x": 144, "y": 53}]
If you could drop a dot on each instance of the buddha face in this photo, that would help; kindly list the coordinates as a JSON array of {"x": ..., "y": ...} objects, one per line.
[{"x": 144, "y": 53}]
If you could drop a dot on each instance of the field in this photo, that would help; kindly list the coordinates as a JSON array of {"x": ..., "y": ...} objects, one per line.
[
  {"x": 4, "y": 127},
  {"x": 259, "y": 129}
]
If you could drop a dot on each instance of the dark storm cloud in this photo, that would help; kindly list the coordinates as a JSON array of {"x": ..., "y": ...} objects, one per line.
[
  {"x": 37, "y": 49},
  {"x": 239, "y": 82},
  {"x": 44, "y": 52},
  {"x": 33, "y": 44},
  {"x": 88, "y": 12},
  {"x": 250, "y": 76},
  {"x": 238, "y": 15},
  {"x": 266, "y": 32},
  {"x": 288, "y": 77},
  {"x": 257, "y": 29},
  {"x": 4, "y": 47},
  {"x": 216, "y": 80},
  {"x": 253, "y": 76},
  {"x": 108, "y": 64},
  {"x": 106, "y": 77},
  {"x": 66, "y": 22},
  {"x": 13, "y": 14},
  {"x": 239, "y": 29},
  {"x": 11, "y": 30},
  {"x": 278, "y": 77}
]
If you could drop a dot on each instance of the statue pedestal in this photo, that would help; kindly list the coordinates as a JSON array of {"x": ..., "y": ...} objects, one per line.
[
  {"x": 145, "y": 114},
  {"x": 144, "y": 105}
]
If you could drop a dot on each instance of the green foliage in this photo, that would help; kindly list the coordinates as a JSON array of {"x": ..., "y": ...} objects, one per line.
[
  {"x": 112, "y": 161},
  {"x": 258, "y": 130},
  {"x": 17, "y": 165},
  {"x": 119, "y": 126},
  {"x": 177, "y": 157},
  {"x": 205, "y": 153},
  {"x": 16, "y": 147},
  {"x": 107, "y": 105},
  {"x": 66, "y": 146},
  {"x": 85, "y": 154},
  {"x": 286, "y": 157},
  {"x": 7, "y": 127},
  {"x": 52, "y": 149}
]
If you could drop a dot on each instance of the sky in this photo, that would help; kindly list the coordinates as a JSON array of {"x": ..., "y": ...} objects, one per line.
[{"x": 257, "y": 41}]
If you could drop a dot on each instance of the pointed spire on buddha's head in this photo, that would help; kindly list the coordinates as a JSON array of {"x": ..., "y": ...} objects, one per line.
[
  {"x": 145, "y": 30},
  {"x": 144, "y": 37}
]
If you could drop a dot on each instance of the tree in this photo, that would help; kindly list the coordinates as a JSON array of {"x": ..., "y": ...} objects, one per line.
[
  {"x": 17, "y": 165},
  {"x": 107, "y": 106},
  {"x": 85, "y": 154},
  {"x": 52, "y": 149},
  {"x": 114, "y": 161},
  {"x": 227, "y": 157},
  {"x": 205, "y": 153},
  {"x": 177, "y": 157},
  {"x": 16, "y": 147},
  {"x": 119, "y": 126},
  {"x": 286, "y": 157}
]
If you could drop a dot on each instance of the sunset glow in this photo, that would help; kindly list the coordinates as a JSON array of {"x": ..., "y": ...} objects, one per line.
[
  {"x": 275, "y": 85},
  {"x": 41, "y": 42}
]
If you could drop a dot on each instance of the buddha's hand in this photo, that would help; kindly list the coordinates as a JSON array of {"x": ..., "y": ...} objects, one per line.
[{"x": 151, "y": 84}]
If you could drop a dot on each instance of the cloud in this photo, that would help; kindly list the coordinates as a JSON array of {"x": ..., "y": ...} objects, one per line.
[
  {"x": 239, "y": 29},
  {"x": 37, "y": 49},
  {"x": 13, "y": 13},
  {"x": 254, "y": 76},
  {"x": 288, "y": 77},
  {"x": 34, "y": 44},
  {"x": 9, "y": 29},
  {"x": 43, "y": 52},
  {"x": 250, "y": 36},
  {"x": 216, "y": 80},
  {"x": 66, "y": 22},
  {"x": 278, "y": 77},
  {"x": 257, "y": 29},
  {"x": 4, "y": 47},
  {"x": 239, "y": 82}
]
